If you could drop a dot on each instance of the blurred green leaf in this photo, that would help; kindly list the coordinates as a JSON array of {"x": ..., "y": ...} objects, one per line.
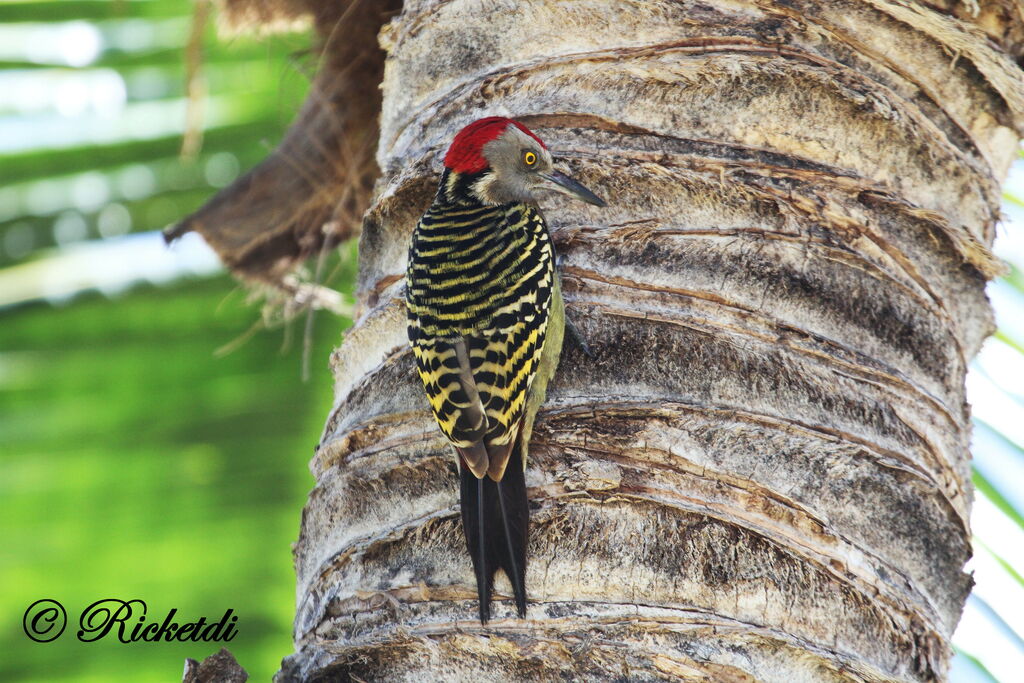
[
  {"x": 1002, "y": 563},
  {"x": 138, "y": 464},
  {"x": 979, "y": 667},
  {"x": 96, "y": 10},
  {"x": 40, "y": 164},
  {"x": 1009, "y": 341},
  {"x": 993, "y": 494},
  {"x": 1014, "y": 277}
]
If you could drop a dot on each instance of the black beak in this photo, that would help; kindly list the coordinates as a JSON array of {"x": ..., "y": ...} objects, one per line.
[{"x": 559, "y": 182}]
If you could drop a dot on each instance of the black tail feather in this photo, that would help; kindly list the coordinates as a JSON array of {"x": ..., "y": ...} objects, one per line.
[
  {"x": 495, "y": 520},
  {"x": 514, "y": 518},
  {"x": 485, "y": 566}
]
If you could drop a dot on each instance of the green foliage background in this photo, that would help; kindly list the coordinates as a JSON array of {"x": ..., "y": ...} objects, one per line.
[
  {"x": 134, "y": 461},
  {"x": 139, "y": 465}
]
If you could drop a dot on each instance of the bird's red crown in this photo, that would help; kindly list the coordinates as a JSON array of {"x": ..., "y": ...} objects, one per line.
[{"x": 466, "y": 154}]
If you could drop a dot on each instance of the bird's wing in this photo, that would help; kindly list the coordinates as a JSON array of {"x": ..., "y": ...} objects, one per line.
[
  {"x": 444, "y": 368},
  {"x": 478, "y": 386},
  {"x": 504, "y": 365},
  {"x": 546, "y": 366}
]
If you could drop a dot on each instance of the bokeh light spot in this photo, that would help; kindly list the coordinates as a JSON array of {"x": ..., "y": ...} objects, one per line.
[
  {"x": 46, "y": 196},
  {"x": 114, "y": 220},
  {"x": 136, "y": 181},
  {"x": 70, "y": 227},
  {"x": 8, "y": 203},
  {"x": 90, "y": 191},
  {"x": 221, "y": 168},
  {"x": 79, "y": 43},
  {"x": 18, "y": 241}
]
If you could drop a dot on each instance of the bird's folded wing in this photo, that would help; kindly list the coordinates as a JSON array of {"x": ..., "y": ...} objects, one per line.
[
  {"x": 477, "y": 386},
  {"x": 444, "y": 368},
  {"x": 504, "y": 364}
]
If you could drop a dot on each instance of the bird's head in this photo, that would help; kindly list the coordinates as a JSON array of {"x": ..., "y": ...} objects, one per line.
[{"x": 508, "y": 163}]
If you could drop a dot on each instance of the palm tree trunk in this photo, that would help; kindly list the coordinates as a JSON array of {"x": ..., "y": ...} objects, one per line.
[{"x": 763, "y": 472}]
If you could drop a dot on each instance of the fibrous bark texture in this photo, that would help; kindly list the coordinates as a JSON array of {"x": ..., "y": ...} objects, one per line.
[{"x": 763, "y": 472}]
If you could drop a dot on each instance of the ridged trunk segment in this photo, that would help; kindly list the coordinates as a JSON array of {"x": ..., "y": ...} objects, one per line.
[{"x": 762, "y": 473}]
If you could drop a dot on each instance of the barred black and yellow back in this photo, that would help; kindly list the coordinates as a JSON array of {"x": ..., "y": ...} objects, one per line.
[
  {"x": 483, "y": 275},
  {"x": 479, "y": 287}
]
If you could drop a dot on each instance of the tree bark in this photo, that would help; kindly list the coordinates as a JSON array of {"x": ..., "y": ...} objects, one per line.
[{"x": 763, "y": 472}]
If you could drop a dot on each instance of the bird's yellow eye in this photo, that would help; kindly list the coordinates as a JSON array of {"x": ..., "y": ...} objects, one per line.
[{"x": 529, "y": 158}]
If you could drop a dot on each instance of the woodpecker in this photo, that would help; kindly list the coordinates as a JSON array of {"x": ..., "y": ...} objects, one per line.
[{"x": 486, "y": 321}]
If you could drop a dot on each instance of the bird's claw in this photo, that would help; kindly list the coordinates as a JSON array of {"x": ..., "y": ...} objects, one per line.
[{"x": 575, "y": 333}]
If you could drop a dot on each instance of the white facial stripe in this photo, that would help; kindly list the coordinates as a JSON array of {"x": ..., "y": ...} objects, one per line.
[{"x": 482, "y": 188}]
